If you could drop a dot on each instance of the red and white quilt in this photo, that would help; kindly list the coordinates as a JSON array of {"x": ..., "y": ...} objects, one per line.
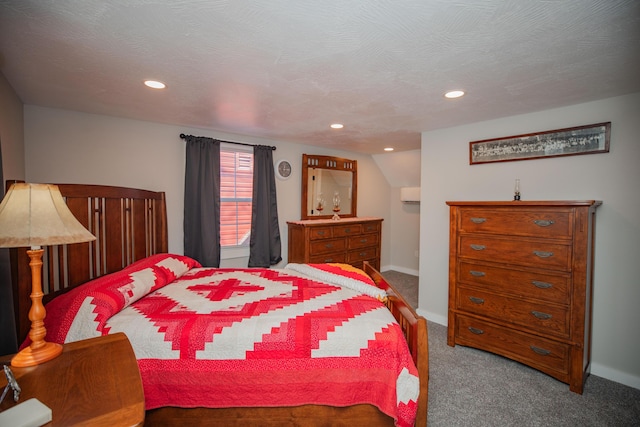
[{"x": 215, "y": 337}]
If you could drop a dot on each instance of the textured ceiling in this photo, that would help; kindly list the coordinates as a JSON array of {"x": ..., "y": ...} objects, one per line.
[{"x": 286, "y": 69}]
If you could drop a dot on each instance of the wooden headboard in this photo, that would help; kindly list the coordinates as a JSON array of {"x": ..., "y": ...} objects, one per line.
[{"x": 129, "y": 224}]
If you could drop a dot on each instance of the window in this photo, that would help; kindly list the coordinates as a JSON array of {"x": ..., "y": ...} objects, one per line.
[{"x": 236, "y": 191}]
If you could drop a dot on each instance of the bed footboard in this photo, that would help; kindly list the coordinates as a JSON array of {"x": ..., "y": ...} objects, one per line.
[{"x": 414, "y": 327}]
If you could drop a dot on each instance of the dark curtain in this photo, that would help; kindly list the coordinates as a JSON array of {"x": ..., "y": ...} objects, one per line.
[
  {"x": 202, "y": 200},
  {"x": 8, "y": 340},
  {"x": 264, "y": 249}
]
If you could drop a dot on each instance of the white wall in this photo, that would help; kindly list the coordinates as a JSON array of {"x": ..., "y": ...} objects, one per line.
[
  {"x": 402, "y": 169},
  {"x": 64, "y": 146},
  {"x": 11, "y": 132},
  {"x": 405, "y": 229},
  {"x": 613, "y": 177}
]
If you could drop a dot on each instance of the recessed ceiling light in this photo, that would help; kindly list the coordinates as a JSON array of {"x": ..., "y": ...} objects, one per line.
[
  {"x": 388, "y": 149},
  {"x": 337, "y": 126},
  {"x": 454, "y": 94},
  {"x": 155, "y": 84}
]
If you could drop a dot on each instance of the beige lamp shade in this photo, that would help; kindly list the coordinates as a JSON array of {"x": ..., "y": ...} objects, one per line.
[{"x": 35, "y": 215}]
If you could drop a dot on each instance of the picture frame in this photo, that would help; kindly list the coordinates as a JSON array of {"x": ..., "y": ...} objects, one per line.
[{"x": 588, "y": 139}]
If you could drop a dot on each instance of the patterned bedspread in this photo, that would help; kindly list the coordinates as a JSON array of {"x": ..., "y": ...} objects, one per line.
[{"x": 306, "y": 334}]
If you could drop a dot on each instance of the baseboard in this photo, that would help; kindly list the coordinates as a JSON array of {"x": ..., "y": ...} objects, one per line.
[
  {"x": 615, "y": 375},
  {"x": 400, "y": 269},
  {"x": 433, "y": 317}
]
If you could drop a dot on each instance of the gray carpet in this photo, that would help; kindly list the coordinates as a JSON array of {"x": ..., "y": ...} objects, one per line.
[
  {"x": 406, "y": 284},
  {"x": 469, "y": 387}
]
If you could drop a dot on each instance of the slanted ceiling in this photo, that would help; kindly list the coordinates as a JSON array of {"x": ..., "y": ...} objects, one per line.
[{"x": 285, "y": 69}]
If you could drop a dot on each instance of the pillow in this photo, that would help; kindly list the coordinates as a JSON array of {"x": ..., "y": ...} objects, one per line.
[
  {"x": 83, "y": 312},
  {"x": 170, "y": 266}
]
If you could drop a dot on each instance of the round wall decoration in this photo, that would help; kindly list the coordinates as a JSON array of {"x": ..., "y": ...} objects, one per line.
[{"x": 283, "y": 169}]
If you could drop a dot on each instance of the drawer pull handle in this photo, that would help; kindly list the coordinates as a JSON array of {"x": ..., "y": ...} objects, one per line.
[
  {"x": 320, "y": 233},
  {"x": 476, "y": 330},
  {"x": 328, "y": 245},
  {"x": 477, "y": 273},
  {"x": 363, "y": 240},
  {"x": 540, "y": 351},
  {"x": 541, "y": 285},
  {"x": 543, "y": 254},
  {"x": 478, "y": 247},
  {"x": 478, "y": 220},
  {"x": 476, "y": 300},
  {"x": 543, "y": 222},
  {"x": 347, "y": 230},
  {"x": 328, "y": 260},
  {"x": 542, "y": 316},
  {"x": 363, "y": 253}
]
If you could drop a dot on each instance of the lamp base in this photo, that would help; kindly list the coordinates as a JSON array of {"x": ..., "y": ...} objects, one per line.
[
  {"x": 29, "y": 357},
  {"x": 39, "y": 351}
]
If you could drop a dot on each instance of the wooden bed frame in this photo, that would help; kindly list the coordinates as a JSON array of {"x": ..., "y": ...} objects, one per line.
[{"x": 130, "y": 224}]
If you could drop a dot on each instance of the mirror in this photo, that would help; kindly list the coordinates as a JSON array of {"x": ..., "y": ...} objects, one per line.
[{"x": 329, "y": 187}]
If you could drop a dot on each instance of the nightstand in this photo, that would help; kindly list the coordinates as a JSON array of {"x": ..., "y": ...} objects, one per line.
[{"x": 93, "y": 382}]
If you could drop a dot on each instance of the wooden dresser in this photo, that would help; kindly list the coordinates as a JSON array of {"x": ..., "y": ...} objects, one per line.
[
  {"x": 348, "y": 240},
  {"x": 520, "y": 282}
]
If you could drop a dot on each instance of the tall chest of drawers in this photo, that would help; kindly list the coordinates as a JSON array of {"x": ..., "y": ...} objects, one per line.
[
  {"x": 348, "y": 240},
  {"x": 520, "y": 282}
]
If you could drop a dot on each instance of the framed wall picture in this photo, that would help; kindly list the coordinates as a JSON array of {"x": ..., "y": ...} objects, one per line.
[{"x": 589, "y": 139}]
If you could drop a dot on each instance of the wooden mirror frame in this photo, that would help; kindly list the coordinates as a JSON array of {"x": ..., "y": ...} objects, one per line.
[{"x": 310, "y": 161}]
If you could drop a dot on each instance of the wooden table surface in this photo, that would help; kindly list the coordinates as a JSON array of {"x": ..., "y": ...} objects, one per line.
[{"x": 93, "y": 382}]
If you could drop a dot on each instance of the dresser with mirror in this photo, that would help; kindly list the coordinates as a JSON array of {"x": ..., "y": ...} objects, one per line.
[{"x": 329, "y": 230}]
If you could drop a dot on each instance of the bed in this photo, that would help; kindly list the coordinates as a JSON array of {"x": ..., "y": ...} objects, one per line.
[{"x": 131, "y": 230}]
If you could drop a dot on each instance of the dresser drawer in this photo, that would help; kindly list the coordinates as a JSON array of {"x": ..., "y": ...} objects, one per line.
[
  {"x": 533, "y": 350},
  {"x": 371, "y": 227},
  {"x": 548, "y": 319},
  {"x": 320, "y": 233},
  {"x": 326, "y": 246},
  {"x": 346, "y": 230},
  {"x": 330, "y": 257},
  {"x": 523, "y": 283},
  {"x": 362, "y": 254},
  {"x": 363, "y": 241},
  {"x": 527, "y": 252},
  {"x": 521, "y": 222}
]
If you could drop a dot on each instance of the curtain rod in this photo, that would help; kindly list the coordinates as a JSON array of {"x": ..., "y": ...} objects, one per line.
[{"x": 183, "y": 136}]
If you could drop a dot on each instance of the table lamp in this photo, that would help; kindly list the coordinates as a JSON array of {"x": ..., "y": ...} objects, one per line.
[{"x": 36, "y": 215}]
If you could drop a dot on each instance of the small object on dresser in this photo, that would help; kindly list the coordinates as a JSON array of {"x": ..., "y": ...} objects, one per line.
[
  {"x": 336, "y": 206},
  {"x": 30, "y": 413},
  {"x": 11, "y": 384},
  {"x": 321, "y": 204},
  {"x": 516, "y": 195}
]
